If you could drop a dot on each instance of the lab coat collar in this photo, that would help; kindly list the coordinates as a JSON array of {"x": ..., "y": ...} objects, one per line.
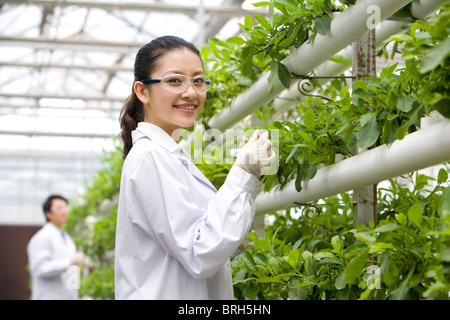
[
  {"x": 159, "y": 136},
  {"x": 52, "y": 226},
  {"x": 156, "y": 134}
]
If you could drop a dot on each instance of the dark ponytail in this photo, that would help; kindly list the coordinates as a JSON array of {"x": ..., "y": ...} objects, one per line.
[{"x": 146, "y": 59}]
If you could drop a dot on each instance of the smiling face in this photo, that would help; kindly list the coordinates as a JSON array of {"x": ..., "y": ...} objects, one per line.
[{"x": 168, "y": 110}]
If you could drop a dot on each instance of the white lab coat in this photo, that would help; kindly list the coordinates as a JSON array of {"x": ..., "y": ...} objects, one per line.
[
  {"x": 49, "y": 255},
  {"x": 175, "y": 231}
]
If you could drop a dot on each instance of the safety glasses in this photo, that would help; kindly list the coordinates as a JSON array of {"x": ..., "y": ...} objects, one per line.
[{"x": 178, "y": 83}]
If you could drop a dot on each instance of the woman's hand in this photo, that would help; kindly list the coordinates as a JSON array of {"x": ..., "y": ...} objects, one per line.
[{"x": 256, "y": 156}]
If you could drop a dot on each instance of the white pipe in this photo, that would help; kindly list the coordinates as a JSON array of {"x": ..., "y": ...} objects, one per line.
[
  {"x": 387, "y": 28},
  {"x": 418, "y": 150},
  {"x": 345, "y": 28}
]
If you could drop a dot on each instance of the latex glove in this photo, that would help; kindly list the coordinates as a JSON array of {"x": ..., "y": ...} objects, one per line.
[
  {"x": 256, "y": 156},
  {"x": 77, "y": 258}
]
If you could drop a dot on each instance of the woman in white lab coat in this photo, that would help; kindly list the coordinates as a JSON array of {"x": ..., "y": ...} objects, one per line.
[{"x": 175, "y": 231}]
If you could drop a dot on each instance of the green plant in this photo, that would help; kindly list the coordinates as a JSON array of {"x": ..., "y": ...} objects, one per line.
[
  {"x": 398, "y": 98},
  {"x": 426, "y": 50},
  {"x": 406, "y": 256},
  {"x": 92, "y": 221}
]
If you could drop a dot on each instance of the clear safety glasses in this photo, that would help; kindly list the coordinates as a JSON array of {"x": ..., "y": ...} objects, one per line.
[{"x": 178, "y": 83}]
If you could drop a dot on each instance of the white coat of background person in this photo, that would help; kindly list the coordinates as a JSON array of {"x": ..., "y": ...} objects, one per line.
[
  {"x": 52, "y": 256},
  {"x": 175, "y": 232}
]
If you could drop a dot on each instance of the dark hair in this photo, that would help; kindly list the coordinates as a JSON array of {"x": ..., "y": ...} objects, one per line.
[
  {"x": 146, "y": 60},
  {"x": 47, "y": 206}
]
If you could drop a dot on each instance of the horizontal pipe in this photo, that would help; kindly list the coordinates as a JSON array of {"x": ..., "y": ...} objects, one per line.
[
  {"x": 58, "y": 134},
  {"x": 418, "y": 150},
  {"x": 71, "y": 44},
  {"x": 57, "y": 96},
  {"x": 112, "y": 68},
  {"x": 225, "y": 10},
  {"x": 345, "y": 28},
  {"x": 386, "y": 29}
]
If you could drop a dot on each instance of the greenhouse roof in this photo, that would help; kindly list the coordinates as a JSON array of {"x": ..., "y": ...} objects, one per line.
[{"x": 65, "y": 71}]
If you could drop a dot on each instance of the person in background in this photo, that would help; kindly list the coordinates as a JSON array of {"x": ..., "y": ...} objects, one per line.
[
  {"x": 52, "y": 256},
  {"x": 175, "y": 232}
]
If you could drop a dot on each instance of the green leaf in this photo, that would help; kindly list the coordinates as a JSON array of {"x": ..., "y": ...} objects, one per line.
[
  {"x": 378, "y": 247},
  {"x": 263, "y": 21},
  {"x": 415, "y": 214},
  {"x": 340, "y": 282},
  {"x": 293, "y": 258},
  {"x": 355, "y": 267},
  {"x": 308, "y": 120},
  {"x": 322, "y": 25},
  {"x": 340, "y": 59},
  {"x": 405, "y": 102},
  {"x": 401, "y": 218},
  {"x": 284, "y": 75},
  {"x": 401, "y": 131},
  {"x": 366, "y": 237},
  {"x": 355, "y": 249},
  {"x": 289, "y": 3},
  {"x": 324, "y": 254},
  {"x": 360, "y": 84},
  {"x": 248, "y": 22},
  {"x": 389, "y": 271},
  {"x": 401, "y": 292},
  {"x": 262, "y": 4},
  {"x": 273, "y": 76},
  {"x": 299, "y": 293},
  {"x": 247, "y": 66},
  {"x": 386, "y": 227},
  {"x": 436, "y": 56},
  {"x": 360, "y": 93},
  {"x": 337, "y": 243},
  {"x": 389, "y": 131},
  {"x": 247, "y": 258},
  {"x": 298, "y": 179},
  {"x": 237, "y": 40},
  {"x": 274, "y": 264},
  {"x": 369, "y": 133},
  {"x": 444, "y": 211},
  {"x": 442, "y": 176}
]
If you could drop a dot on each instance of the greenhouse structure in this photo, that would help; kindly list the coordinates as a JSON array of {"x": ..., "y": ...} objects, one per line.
[{"x": 354, "y": 95}]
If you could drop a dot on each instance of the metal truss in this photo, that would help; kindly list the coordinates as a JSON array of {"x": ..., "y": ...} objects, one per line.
[{"x": 51, "y": 63}]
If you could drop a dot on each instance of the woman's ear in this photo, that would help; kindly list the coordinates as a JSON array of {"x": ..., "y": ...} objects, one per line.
[{"x": 140, "y": 91}]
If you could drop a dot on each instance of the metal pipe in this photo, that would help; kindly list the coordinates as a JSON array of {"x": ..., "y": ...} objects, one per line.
[
  {"x": 58, "y": 134},
  {"x": 159, "y": 6},
  {"x": 418, "y": 150}
]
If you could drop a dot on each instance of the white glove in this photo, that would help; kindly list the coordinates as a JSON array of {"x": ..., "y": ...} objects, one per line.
[
  {"x": 256, "y": 156},
  {"x": 77, "y": 258}
]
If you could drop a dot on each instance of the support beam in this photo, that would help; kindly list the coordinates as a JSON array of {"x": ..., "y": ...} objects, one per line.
[
  {"x": 58, "y": 134},
  {"x": 418, "y": 150},
  {"x": 364, "y": 65},
  {"x": 113, "y": 68},
  {"x": 54, "y": 96},
  {"x": 230, "y": 10},
  {"x": 36, "y": 106},
  {"x": 71, "y": 44}
]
